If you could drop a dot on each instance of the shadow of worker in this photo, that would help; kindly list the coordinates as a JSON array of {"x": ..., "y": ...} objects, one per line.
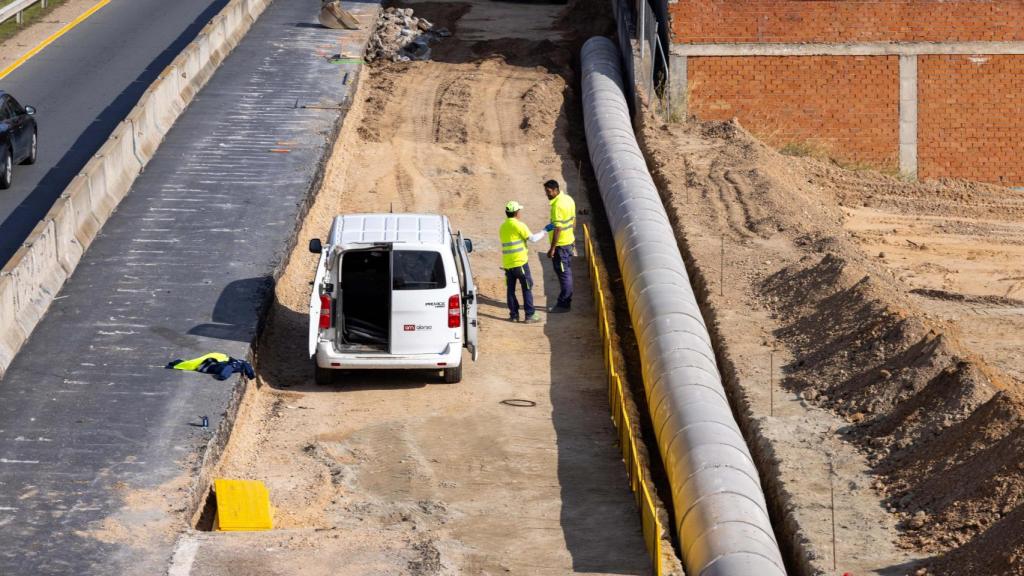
[
  {"x": 237, "y": 310},
  {"x": 598, "y": 516}
]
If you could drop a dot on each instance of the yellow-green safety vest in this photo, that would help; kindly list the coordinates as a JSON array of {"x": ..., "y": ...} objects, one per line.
[
  {"x": 195, "y": 363},
  {"x": 563, "y": 216},
  {"x": 513, "y": 235}
]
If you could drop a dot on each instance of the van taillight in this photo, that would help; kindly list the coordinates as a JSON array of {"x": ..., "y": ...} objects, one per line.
[
  {"x": 454, "y": 312},
  {"x": 325, "y": 311}
]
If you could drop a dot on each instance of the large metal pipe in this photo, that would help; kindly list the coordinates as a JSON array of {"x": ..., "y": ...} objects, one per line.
[{"x": 720, "y": 511}]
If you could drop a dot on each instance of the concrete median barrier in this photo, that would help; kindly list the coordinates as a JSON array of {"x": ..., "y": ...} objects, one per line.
[
  {"x": 37, "y": 276},
  {"x": 78, "y": 209},
  {"x": 218, "y": 39},
  {"x": 69, "y": 250},
  {"x": 188, "y": 65},
  {"x": 96, "y": 175},
  {"x": 119, "y": 163},
  {"x": 36, "y": 273},
  {"x": 11, "y": 335},
  {"x": 146, "y": 133}
]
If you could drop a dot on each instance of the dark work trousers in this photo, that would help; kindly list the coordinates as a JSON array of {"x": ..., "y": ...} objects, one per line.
[
  {"x": 521, "y": 275},
  {"x": 563, "y": 269}
]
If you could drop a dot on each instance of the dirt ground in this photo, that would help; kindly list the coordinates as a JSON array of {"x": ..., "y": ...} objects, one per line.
[
  {"x": 397, "y": 473},
  {"x": 870, "y": 331},
  {"x": 17, "y": 45}
]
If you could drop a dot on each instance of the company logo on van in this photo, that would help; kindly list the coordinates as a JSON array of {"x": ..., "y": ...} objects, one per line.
[
  {"x": 435, "y": 304},
  {"x": 415, "y": 327}
]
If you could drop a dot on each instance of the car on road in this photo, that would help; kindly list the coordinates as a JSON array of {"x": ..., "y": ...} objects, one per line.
[
  {"x": 18, "y": 137},
  {"x": 392, "y": 291}
]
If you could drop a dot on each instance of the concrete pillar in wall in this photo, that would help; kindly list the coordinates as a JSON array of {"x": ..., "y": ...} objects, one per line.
[
  {"x": 678, "y": 91},
  {"x": 908, "y": 115}
]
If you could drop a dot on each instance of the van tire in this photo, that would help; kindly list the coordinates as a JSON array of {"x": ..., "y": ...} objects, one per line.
[
  {"x": 453, "y": 375},
  {"x": 323, "y": 376}
]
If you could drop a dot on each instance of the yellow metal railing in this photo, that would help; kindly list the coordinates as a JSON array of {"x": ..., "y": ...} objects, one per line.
[{"x": 628, "y": 436}]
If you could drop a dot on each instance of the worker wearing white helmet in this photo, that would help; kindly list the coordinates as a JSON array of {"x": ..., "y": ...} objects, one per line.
[{"x": 515, "y": 261}]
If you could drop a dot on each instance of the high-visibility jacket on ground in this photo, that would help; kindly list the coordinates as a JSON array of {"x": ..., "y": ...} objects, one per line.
[
  {"x": 514, "y": 235},
  {"x": 220, "y": 365},
  {"x": 563, "y": 216}
]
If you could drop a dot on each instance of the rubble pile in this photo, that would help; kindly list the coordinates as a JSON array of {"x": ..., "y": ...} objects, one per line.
[{"x": 401, "y": 37}]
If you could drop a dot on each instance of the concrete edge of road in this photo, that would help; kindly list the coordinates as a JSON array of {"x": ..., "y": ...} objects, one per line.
[{"x": 33, "y": 277}]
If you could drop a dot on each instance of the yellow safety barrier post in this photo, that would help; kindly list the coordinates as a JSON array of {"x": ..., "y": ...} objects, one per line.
[{"x": 627, "y": 436}]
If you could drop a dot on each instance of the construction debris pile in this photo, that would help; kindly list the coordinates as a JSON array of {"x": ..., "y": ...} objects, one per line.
[{"x": 401, "y": 37}]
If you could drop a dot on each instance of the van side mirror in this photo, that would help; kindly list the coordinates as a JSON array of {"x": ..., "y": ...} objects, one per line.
[
  {"x": 30, "y": 110},
  {"x": 469, "y": 245},
  {"x": 315, "y": 246}
]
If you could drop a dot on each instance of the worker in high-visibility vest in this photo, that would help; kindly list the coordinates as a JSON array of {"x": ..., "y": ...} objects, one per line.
[
  {"x": 515, "y": 261},
  {"x": 563, "y": 242}
]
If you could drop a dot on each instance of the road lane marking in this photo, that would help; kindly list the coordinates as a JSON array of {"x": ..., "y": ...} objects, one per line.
[
  {"x": 52, "y": 38},
  {"x": 184, "y": 556}
]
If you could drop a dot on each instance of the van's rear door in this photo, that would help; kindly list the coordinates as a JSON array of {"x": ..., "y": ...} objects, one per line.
[
  {"x": 469, "y": 298},
  {"x": 419, "y": 302},
  {"x": 314, "y": 303}
]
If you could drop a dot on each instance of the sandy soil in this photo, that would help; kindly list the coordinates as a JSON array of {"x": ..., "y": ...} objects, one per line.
[
  {"x": 396, "y": 473},
  {"x": 14, "y": 47},
  {"x": 869, "y": 329},
  {"x": 961, "y": 255}
]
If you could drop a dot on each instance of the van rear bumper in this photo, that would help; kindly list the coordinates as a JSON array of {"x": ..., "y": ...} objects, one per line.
[{"x": 328, "y": 357}]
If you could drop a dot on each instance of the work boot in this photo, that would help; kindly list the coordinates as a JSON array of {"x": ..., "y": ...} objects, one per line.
[
  {"x": 532, "y": 319},
  {"x": 513, "y": 318},
  {"x": 558, "y": 310}
]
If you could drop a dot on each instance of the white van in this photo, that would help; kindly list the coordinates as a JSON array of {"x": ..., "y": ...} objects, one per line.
[{"x": 392, "y": 291}]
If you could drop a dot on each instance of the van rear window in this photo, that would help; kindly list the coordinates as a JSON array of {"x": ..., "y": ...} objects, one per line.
[{"x": 417, "y": 270}]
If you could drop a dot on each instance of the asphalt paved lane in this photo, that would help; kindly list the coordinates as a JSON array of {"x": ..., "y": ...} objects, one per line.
[
  {"x": 84, "y": 84},
  {"x": 93, "y": 429}
]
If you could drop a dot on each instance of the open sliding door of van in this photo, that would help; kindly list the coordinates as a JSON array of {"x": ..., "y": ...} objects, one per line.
[
  {"x": 469, "y": 298},
  {"x": 314, "y": 303}
]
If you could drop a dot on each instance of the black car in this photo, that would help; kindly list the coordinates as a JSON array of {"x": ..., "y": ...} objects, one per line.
[{"x": 18, "y": 139}]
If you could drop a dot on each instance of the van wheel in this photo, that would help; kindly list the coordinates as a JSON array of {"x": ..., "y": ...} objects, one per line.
[
  {"x": 323, "y": 376},
  {"x": 453, "y": 375}
]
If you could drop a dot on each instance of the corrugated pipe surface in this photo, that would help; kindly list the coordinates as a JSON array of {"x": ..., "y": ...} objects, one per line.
[{"x": 720, "y": 510}]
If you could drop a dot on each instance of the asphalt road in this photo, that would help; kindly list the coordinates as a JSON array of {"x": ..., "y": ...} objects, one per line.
[
  {"x": 93, "y": 430},
  {"x": 84, "y": 84}
]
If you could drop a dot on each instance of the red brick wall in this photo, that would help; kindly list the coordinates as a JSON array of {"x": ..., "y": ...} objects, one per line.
[
  {"x": 845, "y": 20},
  {"x": 847, "y": 106},
  {"x": 971, "y": 118}
]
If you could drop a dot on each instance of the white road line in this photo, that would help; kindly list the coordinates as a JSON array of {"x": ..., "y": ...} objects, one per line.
[{"x": 184, "y": 555}]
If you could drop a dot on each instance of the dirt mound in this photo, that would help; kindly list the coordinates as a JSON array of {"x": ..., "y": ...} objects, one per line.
[
  {"x": 525, "y": 52},
  {"x": 999, "y": 550},
  {"x": 451, "y": 109},
  {"x": 924, "y": 398},
  {"x": 377, "y": 96},
  {"x": 539, "y": 118}
]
